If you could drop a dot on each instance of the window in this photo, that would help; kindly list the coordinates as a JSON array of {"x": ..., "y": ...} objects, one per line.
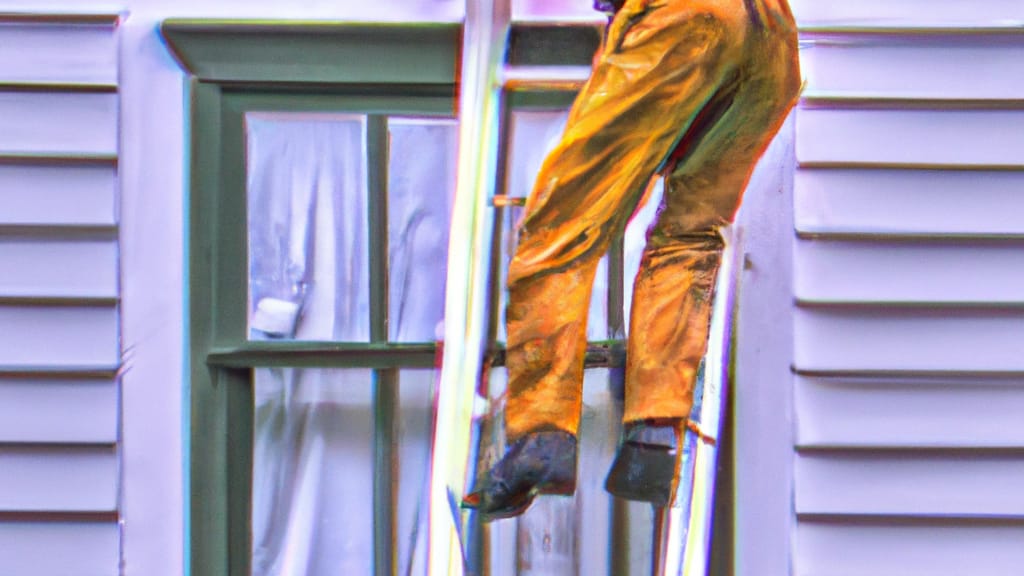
[
  {"x": 322, "y": 175},
  {"x": 323, "y": 167}
]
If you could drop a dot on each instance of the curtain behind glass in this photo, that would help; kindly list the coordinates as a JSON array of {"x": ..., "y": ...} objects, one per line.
[
  {"x": 313, "y": 435},
  {"x": 309, "y": 279},
  {"x": 312, "y": 510},
  {"x": 421, "y": 190},
  {"x": 307, "y": 222}
]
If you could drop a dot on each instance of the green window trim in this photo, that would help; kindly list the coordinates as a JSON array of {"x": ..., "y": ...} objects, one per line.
[{"x": 240, "y": 66}]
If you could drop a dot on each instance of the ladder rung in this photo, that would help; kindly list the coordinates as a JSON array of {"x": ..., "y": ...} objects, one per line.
[
  {"x": 610, "y": 355},
  {"x": 562, "y": 78},
  {"x": 502, "y": 200}
]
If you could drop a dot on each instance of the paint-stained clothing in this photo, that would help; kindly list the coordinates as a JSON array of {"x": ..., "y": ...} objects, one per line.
[{"x": 694, "y": 90}]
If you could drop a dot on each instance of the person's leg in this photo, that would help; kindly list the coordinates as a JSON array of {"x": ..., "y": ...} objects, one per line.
[
  {"x": 673, "y": 293},
  {"x": 662, "y": 61},
  {"x": 674, "y": 287}
]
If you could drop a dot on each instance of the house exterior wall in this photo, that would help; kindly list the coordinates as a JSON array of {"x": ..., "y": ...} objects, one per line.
[
  {"x": 907, "y": 329},
  {"x": 59, "y": 295},
  {"x": 891, "y": 448}
]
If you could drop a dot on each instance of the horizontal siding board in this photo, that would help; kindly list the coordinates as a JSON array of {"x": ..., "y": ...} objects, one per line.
[
  {"x": 904, "y": 136},
  {"x": 921, "y": 549},
  {"x": 912, "y": 202},
  {"x": 914, "y": 340},
  {"x": 58, "y": 411},
  {"x": 959, "y": 484},
  {"x": 59, "y": 548},
  {"x": 948, "y": 67},
  {"x": 58, "y": 479},
  {"x": 909, "y": 13},
  {"x": 57, "y": 195},
  {"x": 58, "y": 336},
  {"x": 58, "y": 123},
  {"x": 965, "y": 413},
  {"x": 61, "y": 268},
  {"x": 863, "y": 271},
  {"x": 58, "y": 53}
]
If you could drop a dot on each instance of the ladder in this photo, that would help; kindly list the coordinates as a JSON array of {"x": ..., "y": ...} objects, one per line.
[{"x": 678, "y": 538}]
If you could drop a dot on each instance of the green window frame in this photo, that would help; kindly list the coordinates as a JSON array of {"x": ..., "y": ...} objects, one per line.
[{"x": 373, "y": 69}]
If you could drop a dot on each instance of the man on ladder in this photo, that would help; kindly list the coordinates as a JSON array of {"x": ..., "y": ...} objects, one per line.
[{"x": 693, "y": 90}]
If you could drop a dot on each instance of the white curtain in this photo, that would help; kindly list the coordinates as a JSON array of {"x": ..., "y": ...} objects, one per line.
[{"x": 309, "y": 280}]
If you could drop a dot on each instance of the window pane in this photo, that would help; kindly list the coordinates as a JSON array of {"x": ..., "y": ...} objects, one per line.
[
  {"x": 307, "y": 218},
  {"x": 533, "y": 134},
  {"x": 421, "y": 188},
  {"x": 313, "y": 472},
  {"x": 312, "y": 508},
  {"x": 415, "y": 419}
]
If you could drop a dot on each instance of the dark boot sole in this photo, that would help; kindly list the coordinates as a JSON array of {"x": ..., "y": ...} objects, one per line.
[{"x": 519, "y": 505}]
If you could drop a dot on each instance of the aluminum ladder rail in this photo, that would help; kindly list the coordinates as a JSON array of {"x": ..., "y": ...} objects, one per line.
[
  {"x": 682, "y": 533},
  {"x": 485, "y": 30}
]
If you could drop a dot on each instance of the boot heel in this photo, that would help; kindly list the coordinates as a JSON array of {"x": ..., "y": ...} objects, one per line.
[{"x": 643, "y": 473}]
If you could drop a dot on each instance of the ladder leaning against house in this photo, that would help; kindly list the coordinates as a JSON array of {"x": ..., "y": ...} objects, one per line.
[{"x": 540, "y": 66}]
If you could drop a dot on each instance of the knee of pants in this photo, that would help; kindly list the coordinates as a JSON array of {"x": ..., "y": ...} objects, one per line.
[{"x": 707, "y": 237}]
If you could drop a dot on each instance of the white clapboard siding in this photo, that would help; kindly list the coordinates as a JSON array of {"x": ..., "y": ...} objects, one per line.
[
  {"x": 909, "y": 13},
  {"x": 908, "y": 289},
  {"x": 927, "y": 548},
  {"x": 54, "y": 267},
  {"x": 75, "y": 195},
  {"x": 59, "y": 548},
  {"x": 913, "y": 272},
  {"x": 928, "y": 340},
  {"x": 945, "y": 67},
  {"x": 957, "y": 484},
  {"x": 909, "y": 202},
  {"x": 966, "y": 138},
  {"x": 58, "y": 479},
  {"x": 909, "y": 413},
  {"x": 59, "y": 295},
  {"x": 51, "y": 53},
  {"x": 58, "y": 123},
  {"x": 58, "y": 410},
  {"x": 59, "y": 336}
]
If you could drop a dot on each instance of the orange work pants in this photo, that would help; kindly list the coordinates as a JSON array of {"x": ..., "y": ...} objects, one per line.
[{"x": 694, "y": 90}]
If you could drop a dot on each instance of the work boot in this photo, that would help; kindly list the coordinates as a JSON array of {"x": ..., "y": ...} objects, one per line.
[
  {"x": 646, "y": 466},
  {"x": 538, "y": 463}
]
